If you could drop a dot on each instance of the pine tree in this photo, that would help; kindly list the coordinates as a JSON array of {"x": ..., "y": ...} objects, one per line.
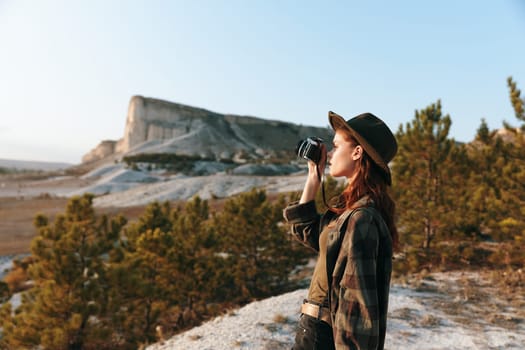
[
  {"x": 156, "y": 216},
  {"x": 512, "y": 179},
  {"x": 6, "y": 314},
  {"x": 195, "y": 244},
  {"x": 510, "y": 176},
  {"x": 516, "y": 101},
  {"x": 255, "y": 245},
  {"x": 513, "y": 224},
  {"x": 137, "y": 298},
  {"x": 66, "y": 307},
  {"x": 497, "y": 190},
  {"x": 167, "y": 272},
  {"x": 421, "y": 173},
  {"x": 4, "y": 292},
  {"x": 482, "y": 199},
  {"x": 201, "y": 277}
]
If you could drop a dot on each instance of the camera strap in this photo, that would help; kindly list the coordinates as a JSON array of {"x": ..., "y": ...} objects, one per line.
[{"x": 321, "y": 180}]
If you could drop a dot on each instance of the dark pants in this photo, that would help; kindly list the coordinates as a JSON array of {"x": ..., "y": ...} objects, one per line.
[{"x": 313, "y": 334}]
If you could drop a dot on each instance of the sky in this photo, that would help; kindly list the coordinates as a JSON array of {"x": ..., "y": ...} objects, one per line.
[{"x": 69, "y": 68}]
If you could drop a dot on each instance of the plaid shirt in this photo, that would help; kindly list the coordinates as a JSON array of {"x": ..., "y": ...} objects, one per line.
[{"x": 359, "y": 265}]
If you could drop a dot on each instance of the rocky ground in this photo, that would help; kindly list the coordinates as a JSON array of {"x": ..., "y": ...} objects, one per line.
[{"x": 455, "y": 310}]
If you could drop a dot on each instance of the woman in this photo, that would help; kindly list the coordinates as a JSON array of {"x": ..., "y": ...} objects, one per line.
[{"x": 347, "y": 301}]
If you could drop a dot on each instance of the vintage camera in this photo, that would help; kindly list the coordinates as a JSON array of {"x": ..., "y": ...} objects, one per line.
[{"x": 310, "y": 148}]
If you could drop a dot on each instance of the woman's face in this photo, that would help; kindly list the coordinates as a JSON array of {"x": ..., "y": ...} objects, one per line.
[{"x": 344, "y": 156}]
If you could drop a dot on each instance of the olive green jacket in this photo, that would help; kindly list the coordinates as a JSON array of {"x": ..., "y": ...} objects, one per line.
[{"x": 359, "y": 265}]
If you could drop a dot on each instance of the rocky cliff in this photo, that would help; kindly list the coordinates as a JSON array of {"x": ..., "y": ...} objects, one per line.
[
  {"x": 103, "y": 150},
  {"x": 156, "y": 126}
]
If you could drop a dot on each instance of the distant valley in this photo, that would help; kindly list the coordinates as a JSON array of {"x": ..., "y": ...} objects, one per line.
[{"x": 12, "y": 164}]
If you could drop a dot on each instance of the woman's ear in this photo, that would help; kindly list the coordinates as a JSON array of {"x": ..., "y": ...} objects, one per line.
[{"x": 357, "y": 152}]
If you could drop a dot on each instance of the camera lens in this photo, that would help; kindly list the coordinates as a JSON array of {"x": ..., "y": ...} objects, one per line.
[{"x": 310, "y": 149}]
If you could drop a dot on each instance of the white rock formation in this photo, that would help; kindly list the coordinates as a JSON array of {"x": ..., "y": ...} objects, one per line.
[
  {"x": 156, "y": 126},
  {"x": 104, "y": 149}
]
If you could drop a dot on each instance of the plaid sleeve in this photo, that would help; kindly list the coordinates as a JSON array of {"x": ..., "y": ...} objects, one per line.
[
  {"x": 305, "y": 223},
  {"x": 299, "y": 212},
  {"x": 357, "y": 316}
]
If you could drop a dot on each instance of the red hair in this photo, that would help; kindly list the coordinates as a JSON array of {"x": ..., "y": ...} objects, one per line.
[{"x": 370, "y": 180}]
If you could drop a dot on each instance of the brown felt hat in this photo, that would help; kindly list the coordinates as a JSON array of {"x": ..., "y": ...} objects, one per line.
[{"x": 372, "y": 134}]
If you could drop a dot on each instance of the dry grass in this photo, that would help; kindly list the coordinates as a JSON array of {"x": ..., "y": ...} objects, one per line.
[
  {"x": 430, "y": 321},
  {"x": 273, "y": 344},
  {"x": 279, "y": 318},
  {"x": 23, "y": 196},
  {"x": 17, "y": 215},
  {"x": 488, "y": 297},
  {"x": 195, "y": 337},
  {"x": 16, "y": 221}
]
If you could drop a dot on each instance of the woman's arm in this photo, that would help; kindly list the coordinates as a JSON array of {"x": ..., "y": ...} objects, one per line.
[
  {"x": 303, "y": 214},
  {"x": 304, "y": 217},
  {"x": 305, "y": 223}
]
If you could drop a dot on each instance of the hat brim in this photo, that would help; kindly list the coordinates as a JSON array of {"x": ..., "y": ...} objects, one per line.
[{"x": 337, "y": 122}]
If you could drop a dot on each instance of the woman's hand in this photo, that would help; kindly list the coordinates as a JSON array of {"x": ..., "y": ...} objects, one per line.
[
  {"x": 313, "y": 168},
  {"x": 315, "y": 174}
]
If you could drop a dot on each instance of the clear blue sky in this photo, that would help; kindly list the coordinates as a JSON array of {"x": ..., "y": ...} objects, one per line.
[{"x": 69, "y": 68}]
